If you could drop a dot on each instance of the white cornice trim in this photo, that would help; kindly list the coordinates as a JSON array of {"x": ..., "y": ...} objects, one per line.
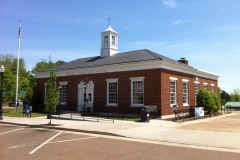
[{"x": 131, "y": 67}]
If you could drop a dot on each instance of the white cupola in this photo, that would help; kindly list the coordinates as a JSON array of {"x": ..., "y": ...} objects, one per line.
[{"x": 109, "y": 42}]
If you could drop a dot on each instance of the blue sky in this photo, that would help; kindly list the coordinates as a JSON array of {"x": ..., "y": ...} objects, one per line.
[{"x": 205, "y": 32}]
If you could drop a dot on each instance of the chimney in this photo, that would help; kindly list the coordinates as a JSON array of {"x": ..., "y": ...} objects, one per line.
[{"x": 183, "y": 60}]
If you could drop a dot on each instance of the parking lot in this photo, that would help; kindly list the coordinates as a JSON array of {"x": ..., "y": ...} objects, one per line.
[{"x": 32, "y": 143}]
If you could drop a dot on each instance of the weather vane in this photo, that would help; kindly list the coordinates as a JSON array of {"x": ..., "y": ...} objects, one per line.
[{"x": 109, "y": 20}]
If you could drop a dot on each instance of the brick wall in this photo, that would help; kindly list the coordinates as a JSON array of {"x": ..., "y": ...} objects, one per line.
[
  {"x": 151, "y": 89},
  {"x": 165, "y": 89},
  {"x": 156, "y": 89}
]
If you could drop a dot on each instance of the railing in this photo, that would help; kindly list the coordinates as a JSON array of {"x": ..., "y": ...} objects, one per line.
[
  {"x": 182, "y": 113},
  {"x": 104, "y": 114},
  {"x": 71, "y": 113}
]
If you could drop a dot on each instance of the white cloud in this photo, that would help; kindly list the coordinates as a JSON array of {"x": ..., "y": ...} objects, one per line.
[
  {"x": 177, "y": 22},
  {"x": 169, "y": 3}
]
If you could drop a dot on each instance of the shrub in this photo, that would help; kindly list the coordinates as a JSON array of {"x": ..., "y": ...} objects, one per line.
[
  {"x": 208, "y": 100},
  {"x": 217, "y": 105}
]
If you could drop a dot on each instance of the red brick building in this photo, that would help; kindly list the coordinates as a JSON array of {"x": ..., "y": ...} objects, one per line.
[{"x": 125, "y": 82}]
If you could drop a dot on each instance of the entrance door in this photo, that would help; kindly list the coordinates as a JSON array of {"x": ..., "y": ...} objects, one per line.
[{"x": 86, "y": 89}]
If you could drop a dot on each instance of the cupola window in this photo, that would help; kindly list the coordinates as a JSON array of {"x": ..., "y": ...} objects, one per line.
[
  {"x": 113, "y": 40},
  {"x": 106, "y": 41}
]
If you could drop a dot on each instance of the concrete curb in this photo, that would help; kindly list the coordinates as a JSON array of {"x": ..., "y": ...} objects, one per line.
[{"x": 64, "y": 129}]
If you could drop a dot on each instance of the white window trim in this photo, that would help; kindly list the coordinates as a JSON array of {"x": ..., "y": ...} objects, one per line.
[
  {"x": 63, "y": 83},
  {"x": 185, "y": 80},
  {"x": 195, "y": 91},
  {"x": 136, "y": 79},
  {"x": 196, "y": 82},
  {"x": 213, "y": 89},
  {"x": 109, "y": 81},
  {"x": 205, "y": 84},
  {"x": 187, "y": 99},
  {"x": 112, "y": 80},
  {"x": 113, "y": 40},
  {"x": 173, "y": 80}
]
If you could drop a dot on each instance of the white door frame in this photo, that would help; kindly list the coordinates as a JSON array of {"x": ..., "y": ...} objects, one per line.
[{"x": 89, "y": 95}]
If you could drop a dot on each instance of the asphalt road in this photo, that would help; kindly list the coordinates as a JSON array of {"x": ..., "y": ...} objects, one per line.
[{"x": 23, "y": 143}]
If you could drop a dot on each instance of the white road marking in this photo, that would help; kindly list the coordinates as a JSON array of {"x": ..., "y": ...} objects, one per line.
[
  {"x": 71, "y": 140},
  {"x": 22, "y": 145},
  {"x": 11, "y": 131},
  {"x": 44, "y": 143}
]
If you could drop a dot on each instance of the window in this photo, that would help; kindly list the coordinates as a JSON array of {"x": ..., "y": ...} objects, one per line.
[
  {"x": 197, "y": 88},
  {"x": 106, "y": 41},
  {"x": 205, "y": 86},
  {"x": 113, "y": 40},
  {"x": 212, "y": 88},
  {"x": 112, "y": 92},
  {"x": 137, "y": 91},
  {"x": 185, "y": 92},
  {"x": 173, "y": 91},
  {"x": 63, "y": 93}
]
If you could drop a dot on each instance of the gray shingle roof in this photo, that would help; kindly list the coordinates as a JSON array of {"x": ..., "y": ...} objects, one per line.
[{"x": 120, "y": 58}]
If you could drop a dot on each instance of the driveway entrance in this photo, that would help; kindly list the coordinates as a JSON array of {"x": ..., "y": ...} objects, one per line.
[{"x": 222, "y": 123}]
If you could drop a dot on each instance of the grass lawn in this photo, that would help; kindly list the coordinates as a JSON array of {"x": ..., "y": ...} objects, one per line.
[{"x": 11, "y": 112}]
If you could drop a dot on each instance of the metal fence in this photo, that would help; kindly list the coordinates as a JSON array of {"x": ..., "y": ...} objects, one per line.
[
  {"x": 103, "y": 114},
  {"x": 71, "y": 113}
]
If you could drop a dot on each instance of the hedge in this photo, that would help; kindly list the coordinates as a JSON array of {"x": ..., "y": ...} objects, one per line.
[{"x": 208, "y": 100}]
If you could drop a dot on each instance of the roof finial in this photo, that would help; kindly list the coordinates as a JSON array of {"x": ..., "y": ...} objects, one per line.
[{"x": 109, "y": 21}]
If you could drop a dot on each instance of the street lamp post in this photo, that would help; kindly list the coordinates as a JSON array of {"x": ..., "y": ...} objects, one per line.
[
  {"x": 85, "y": 100},
  {"x": 85, "y": 96},
  {"x": 2, "y": 69}
]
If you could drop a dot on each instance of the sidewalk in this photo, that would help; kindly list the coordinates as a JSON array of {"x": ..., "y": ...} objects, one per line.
[{"x": 156, "y": 131}]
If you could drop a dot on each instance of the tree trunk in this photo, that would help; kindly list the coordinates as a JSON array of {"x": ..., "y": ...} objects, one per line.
[{"x": 50, "y": 118}]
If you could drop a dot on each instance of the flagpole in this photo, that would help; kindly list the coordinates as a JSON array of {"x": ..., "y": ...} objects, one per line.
[{"x": 19, "y": 40}]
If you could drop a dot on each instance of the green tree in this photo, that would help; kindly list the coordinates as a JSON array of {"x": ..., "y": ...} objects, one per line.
[
  {"x": 235, "y": 96},
  {"x": 225, "y": 97},
  {"x": 205, "y": 99},
  {"x": 53, "y": 95},
  {"x": 26, "y": 81},
  {"x": 217, "y": 104},
  {"x": 9, "y": 86},
  {"x": 43, "y": 65}
]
